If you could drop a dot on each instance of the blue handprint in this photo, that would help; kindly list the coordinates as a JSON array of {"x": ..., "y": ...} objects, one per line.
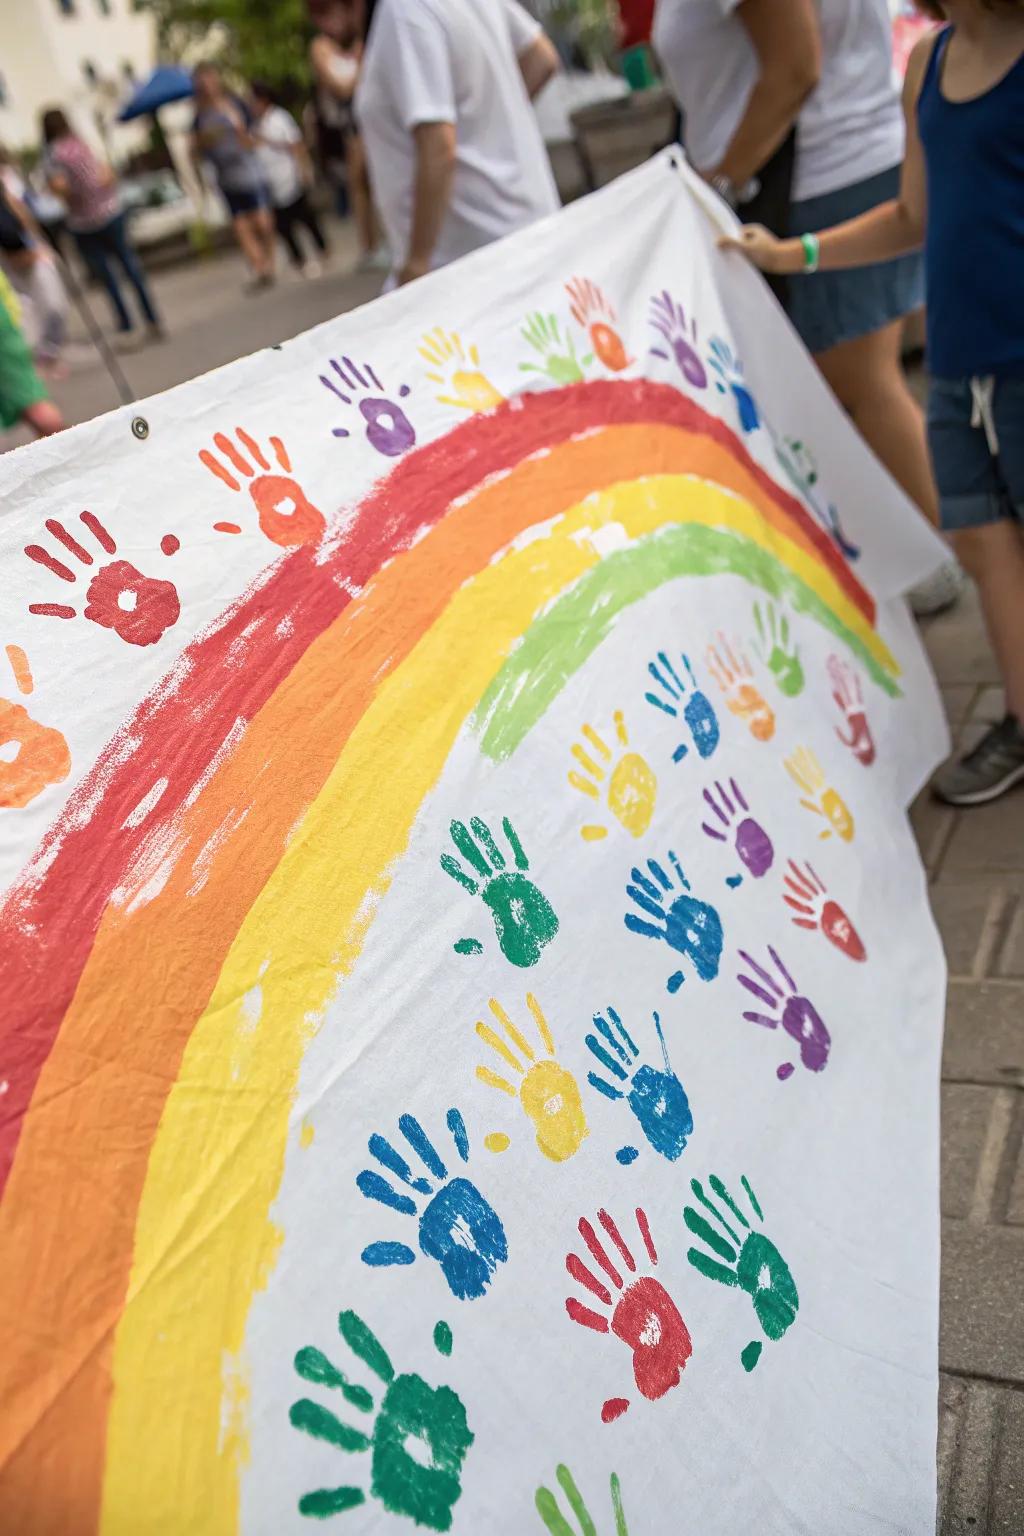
[
  {"x": 657, "y": 1098},
  {"x": 687, "y": 925},
  {"x": 674, "y": 695},
  {"x": 457, "y": 1227},
  {"x": 728, "y": 371}
]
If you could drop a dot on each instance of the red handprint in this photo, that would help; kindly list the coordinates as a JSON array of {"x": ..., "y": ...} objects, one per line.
[
  {"x": 814, "y": 908},
  {"x": 137, "y": 608},
  {"x": 644, "y": 1316},
  {"x": 591, "y": 309},
  {"x": 285, "y": 513},
  {"x": 849, "y": 698}
]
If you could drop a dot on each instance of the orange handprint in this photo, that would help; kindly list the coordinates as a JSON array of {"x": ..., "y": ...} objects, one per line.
[
  {"x": 595, "y": 312},
  {"x": 286, "y": 515},
  {"x": 41, "y": 755},
  {"x": 734, "y": 675}
]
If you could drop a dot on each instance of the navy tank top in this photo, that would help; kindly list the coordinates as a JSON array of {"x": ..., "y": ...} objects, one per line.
[{"x": 974, "y": 247}]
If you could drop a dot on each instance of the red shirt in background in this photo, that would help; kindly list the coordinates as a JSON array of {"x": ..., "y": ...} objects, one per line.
[{"x": 637, "y": 19}]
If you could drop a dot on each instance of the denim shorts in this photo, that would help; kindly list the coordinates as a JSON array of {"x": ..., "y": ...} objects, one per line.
[
  {"x": 979, "y": 469},
  {"x": 830, "y": 307},
  {"x": 245, "y": 200}
]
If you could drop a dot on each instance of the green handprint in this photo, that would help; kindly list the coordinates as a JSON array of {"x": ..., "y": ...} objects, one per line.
[
  {"x": 751, "y": 1262},
  {"x": 423, "y": 1483},
  {"x": 555, "y": 1521},
  {"x": 524, "y": 919},
  {"x": 777, "y": 650},
  {"x": 557, "y": 351}
]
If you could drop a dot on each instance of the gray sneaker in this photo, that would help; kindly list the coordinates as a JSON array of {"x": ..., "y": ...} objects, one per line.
[{"x": 988, "y": 770}]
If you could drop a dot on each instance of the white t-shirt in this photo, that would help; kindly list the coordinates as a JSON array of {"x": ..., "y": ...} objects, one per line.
[
  {"x": 850, "y": 127},
  {"x": 278, "y": 131},
  {"x": 454, "y": 61}
]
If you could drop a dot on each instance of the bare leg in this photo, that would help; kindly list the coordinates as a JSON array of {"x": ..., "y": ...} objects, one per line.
[
  {"x": 249, "y": 242},
  {"x": 994, "y": 556},
  {"x": 266, "y": 232},
  {"x": 867, "y": 376},
  {"x": 360, "y": 195}
]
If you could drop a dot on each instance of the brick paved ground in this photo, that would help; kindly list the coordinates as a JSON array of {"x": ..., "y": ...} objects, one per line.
[
  {"x": 976, "y": 864},
  {"x": 975, "y": 861}
]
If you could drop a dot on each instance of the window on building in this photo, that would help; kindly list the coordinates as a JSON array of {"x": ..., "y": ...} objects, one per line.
[
  {"x": 67, "y": 7},
  {"x": 89, "y": 71}
]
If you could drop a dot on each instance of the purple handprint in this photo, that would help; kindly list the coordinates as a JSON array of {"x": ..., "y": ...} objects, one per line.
[
  {"x": 736, "y": 825},
  {"x": 797, "y": 1015},
  {"x": 669, "y": 317},
  {"x": 388, "y": 428}
]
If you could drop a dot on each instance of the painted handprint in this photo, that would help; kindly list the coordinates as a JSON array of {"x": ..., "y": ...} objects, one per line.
[
  {"x": 524, "y": 920},
  {"x": 643, "y": 1314},
  {"x": 734, "y": 824},
  {"x": 594, "y": 311},
  {"x": 799, "y": 1018},
  {"x": 40, "y": 753},
  {"x": 691, "y": 927},
  {"x": 815, "y": 795},
  {"x": 728, "y": 372},
  {"x": 735, "y": 676},
  {"x": 675, "y": 697},
  {"x": 388, "y": 429},
  {"x": 417, "y": 1438},
  {"x": 458, "y": 1228},
  {"x": 457, "y": 371},
  {"x": 800, "y": 467},
  {"x": 139, "y": 609},
  {"x": 285, "y": 513},
  {"x": 547, "y": 1091},
  {"x": 557, "y": 351},
  {"x": 555, "y": 1522},
  {"x": 745, "y": 1258},
  {"x": 849, "y": 700},
  {"x": 805, "y": 893},
  {"x": 669, "y": 318},
  {"x": 631, "y": 787},
  {"x": 654, "y": 1094},
  {"x": 776, "y": 649}
]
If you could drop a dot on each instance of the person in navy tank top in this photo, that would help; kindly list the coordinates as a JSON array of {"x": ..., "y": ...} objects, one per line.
[{"x": 962, "y": 198}]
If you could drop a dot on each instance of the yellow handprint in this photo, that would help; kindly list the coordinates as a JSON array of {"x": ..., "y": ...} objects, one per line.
[
  {"x": 458, "y": 372},
  {"x": 632, "y": 786},
  {"x": 806, "y": 772},
  {"x": 549, "y": 1094},
  {"x": 735, "y": 676}
]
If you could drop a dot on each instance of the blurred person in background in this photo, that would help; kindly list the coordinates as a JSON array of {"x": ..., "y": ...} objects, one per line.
[
  {"x": 755, "y": 76},
  {"x": 288, "y": 172},
  {"x": 88, "y": 188},
  {"x": 455, "y": 152},
  {"x": 23, "y": 395},
  {"x": 222, "y": 137},
  {"x": 334, "y": 56},
  {"x": 31, "y": 265}
]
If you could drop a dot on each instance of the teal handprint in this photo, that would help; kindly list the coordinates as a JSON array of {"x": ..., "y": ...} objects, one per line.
[
  {"x": 752, "y": 1262},
  {"x": 556, "y": 1523},
  {"x": 778, "y": 650},
  {"x": 418, "y": 1440},
  {"x": 524, "y": 919},
  {"x": 556, "y": 349}
]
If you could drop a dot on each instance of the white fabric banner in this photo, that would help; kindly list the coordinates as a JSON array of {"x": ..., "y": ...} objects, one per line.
[{"x": 472, "y": 1013}]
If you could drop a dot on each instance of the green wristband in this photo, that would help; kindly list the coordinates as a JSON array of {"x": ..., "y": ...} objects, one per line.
[{"x": 812, "y": 252}]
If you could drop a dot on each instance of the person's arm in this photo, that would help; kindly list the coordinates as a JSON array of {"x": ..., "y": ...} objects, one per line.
[
  {"x": 883, "y": 233},
  {"x": 535, "y": 53},
  {"x": 335, "y": 71},
  {"x": 785, "y": 37},
  {"x": 435, "y": 165}
]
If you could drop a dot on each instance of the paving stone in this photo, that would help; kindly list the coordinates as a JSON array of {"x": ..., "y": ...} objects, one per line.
[
  {"x": 984, "y": 1032},
  {"x": 952, "y": 1399},
  {"x": 987, "y": 837},
  {"x": 931, "y": 822},
  {"x": 966, "y": 1507},
  {"x": 964, "y": 915},
  {"x": 1015, "y": 1196},
  {"x": 955, "y": 641},
  {"x": 981, "y": 1329},
  {"x": 958, "y": 699},
  {"x": 1011, "y": 960},
  {"x": 975, "y": 1127},
  {"x": 1007, "y": 1516}
]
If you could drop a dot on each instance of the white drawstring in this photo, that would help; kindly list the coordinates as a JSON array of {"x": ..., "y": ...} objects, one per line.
[{"x": 982, "y": 392}]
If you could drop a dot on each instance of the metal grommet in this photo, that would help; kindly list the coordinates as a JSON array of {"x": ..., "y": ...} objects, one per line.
[{"x": 140, "y": 428}]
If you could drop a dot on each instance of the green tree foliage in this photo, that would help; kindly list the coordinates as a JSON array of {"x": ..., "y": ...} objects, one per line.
[{"x": 256, "y": 39}]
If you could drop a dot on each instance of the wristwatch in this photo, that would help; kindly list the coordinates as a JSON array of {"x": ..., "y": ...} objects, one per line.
[{"x": 732, "y": 194}]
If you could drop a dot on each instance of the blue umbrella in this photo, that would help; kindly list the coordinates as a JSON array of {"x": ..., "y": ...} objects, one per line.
[{"x": 168, "y": 82}]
